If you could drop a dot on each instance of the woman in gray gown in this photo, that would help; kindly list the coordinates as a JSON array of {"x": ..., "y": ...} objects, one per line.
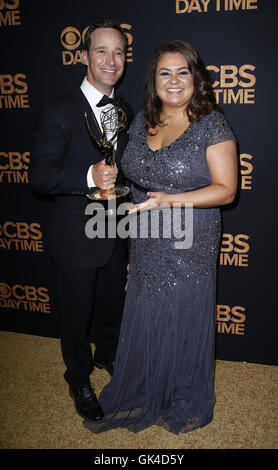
[{"x": 181, "y": 153}]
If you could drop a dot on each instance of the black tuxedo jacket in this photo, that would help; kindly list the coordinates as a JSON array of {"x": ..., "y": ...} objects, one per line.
[{"x": 61, "y": 153}]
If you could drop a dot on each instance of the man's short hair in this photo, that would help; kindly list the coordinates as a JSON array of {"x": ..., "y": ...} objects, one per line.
[{"x": 103, "y": 23}]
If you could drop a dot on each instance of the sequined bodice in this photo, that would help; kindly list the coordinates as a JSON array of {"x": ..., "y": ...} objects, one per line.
[{"x": 178, "y": 167}]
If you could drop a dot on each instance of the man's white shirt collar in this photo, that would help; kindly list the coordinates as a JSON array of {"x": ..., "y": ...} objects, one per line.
[{"x": 91, "y": 93}]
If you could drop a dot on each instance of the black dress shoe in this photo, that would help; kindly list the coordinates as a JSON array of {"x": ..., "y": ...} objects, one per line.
[
  {"x": 109, "y": 366},
  {"x": 86, "y": 403}
]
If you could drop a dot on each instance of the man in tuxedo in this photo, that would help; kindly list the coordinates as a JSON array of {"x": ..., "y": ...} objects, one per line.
[{"x": 91, "y": 273}]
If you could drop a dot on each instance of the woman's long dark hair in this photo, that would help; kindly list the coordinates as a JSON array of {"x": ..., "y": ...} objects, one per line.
[{"x": 203, "y": 99}]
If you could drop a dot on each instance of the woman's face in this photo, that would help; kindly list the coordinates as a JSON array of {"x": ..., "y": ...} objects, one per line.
[{"x": 174, "y": 81}]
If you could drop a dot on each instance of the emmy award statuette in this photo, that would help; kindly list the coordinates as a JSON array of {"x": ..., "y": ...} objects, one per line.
[{"x": 112, "y": 121}]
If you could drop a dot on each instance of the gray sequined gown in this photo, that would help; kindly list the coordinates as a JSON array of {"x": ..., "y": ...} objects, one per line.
[{"x": 164, "y": 371}]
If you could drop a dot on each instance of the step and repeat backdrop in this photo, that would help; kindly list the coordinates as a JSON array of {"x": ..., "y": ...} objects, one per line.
[{"x": 41, "y": 58}]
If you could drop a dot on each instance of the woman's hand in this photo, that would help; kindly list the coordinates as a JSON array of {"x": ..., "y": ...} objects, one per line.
[{"x": 157, "y": 199}]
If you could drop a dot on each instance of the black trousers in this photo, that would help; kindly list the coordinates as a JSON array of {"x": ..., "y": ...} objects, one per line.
[{"x": 91, "y": 304}]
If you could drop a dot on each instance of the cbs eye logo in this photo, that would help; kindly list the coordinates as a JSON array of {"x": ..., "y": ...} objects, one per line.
[
  {"x": 5, "y": 290},
  {"x": 71, "y": 38}
]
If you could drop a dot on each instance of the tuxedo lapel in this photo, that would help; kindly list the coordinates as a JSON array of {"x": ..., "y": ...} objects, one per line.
[{"x": 86, "y": 108}]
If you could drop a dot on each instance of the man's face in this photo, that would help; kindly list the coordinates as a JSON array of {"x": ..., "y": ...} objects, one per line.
[{"x": 105, "y": 60}]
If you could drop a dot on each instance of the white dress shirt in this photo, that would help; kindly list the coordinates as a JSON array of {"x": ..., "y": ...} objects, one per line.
[{"x": 94, "y": 96}]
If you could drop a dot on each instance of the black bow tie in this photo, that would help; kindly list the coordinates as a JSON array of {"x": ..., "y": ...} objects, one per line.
[{"x": 106, "y": 100}]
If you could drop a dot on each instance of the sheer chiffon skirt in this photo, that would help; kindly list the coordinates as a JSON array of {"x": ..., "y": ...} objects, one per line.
[{"x": 164, "y": 370}]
